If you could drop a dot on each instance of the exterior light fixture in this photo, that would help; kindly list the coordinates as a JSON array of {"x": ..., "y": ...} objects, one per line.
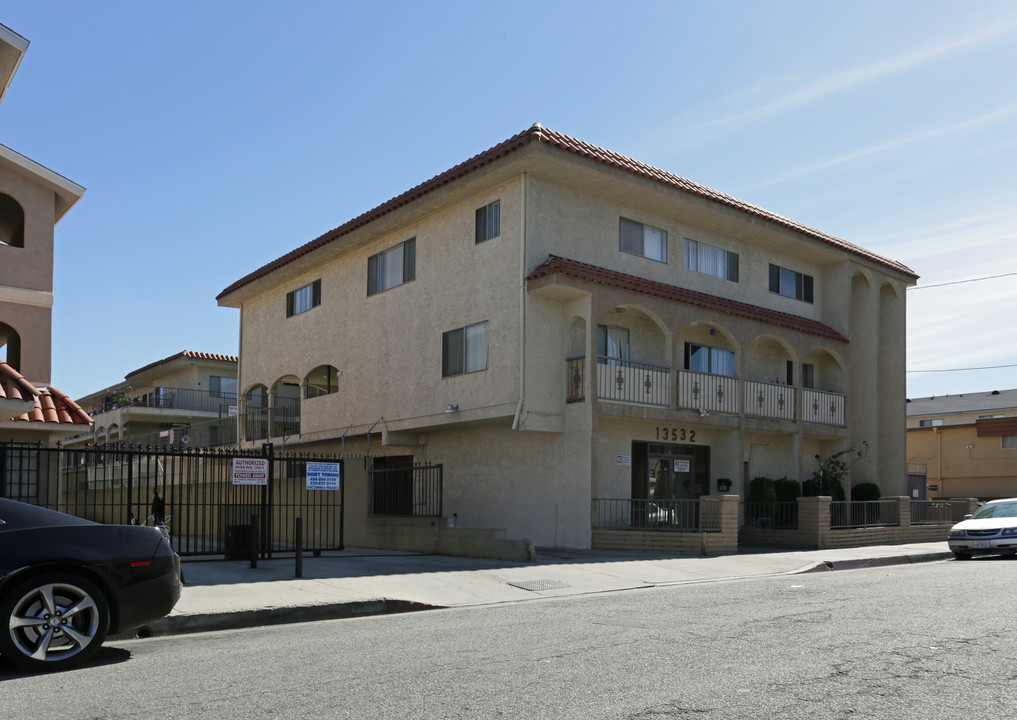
[{"x": 451, "y": 409}]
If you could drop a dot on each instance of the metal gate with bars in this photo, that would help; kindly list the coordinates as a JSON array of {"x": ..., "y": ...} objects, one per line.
[{"x": 193, "y": 490}]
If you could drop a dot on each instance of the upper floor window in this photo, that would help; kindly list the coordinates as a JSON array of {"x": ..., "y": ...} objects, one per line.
[
  {"x": 639, "y": 239},
  {"x": 224, "y": 387},
  {"x": 710, "y": 260},
  {"x": 612, "y": 344},
  {"x": 12, "y": 222},
  {"x": 489, "y": 221},
  {"x": 1008, "y": 442},
  {"x": 930, "y": 423},
  {"x": 713, "y": 361},
  {"x": 303, "y": 299},
  {"x": 790, "y": 283},
  {"x": 393, "y": 267},
  {"x": 464, "y": 350}
]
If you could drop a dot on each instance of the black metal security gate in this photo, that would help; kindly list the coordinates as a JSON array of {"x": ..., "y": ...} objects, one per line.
[{"x": 211, "y": 507}]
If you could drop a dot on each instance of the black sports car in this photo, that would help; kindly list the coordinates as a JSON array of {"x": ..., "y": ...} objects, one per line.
[{"x": 66, "y": 582}]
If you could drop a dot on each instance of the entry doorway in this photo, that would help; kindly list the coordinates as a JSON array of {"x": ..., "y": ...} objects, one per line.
[{"x": 664, "y": 478}]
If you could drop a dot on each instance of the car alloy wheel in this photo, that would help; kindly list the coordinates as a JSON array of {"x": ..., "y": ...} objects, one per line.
[{"x": 53, "y": 621}]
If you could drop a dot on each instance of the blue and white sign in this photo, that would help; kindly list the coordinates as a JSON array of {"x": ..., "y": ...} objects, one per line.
[{"x": 324, "y": 476}]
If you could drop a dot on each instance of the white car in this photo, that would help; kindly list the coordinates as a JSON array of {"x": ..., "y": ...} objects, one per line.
[{"x": 992, "y": 530}]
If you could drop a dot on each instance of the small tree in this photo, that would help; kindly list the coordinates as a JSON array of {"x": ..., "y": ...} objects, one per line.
[{"x": 828, "y": 478}]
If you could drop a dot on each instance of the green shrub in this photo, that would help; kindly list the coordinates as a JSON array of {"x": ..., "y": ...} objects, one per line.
[
  {"x": 764, "y": 489},
  {"x": 866, "y": 491}
]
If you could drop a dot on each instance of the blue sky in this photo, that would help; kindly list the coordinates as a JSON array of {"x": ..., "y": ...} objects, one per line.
[{"x": 213, "y": 137}]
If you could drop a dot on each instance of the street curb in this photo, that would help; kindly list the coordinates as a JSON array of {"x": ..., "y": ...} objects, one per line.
[
  {"x": 186, "y": 624},
  {"x": 854, "y": 564}
]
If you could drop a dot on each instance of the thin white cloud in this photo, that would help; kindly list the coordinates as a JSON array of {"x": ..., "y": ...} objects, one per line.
[
  {"x": 891, "y": 66},
  {"x": 883, "y": 147}
]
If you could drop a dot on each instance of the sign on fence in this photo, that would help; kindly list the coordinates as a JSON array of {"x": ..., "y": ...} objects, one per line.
[
  {"x": 249, "y": 471},
  {"x": 323, "y": 476}
]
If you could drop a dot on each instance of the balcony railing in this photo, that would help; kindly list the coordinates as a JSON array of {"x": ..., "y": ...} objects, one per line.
[
  {"x": 632, "y": 382},
  {"x": 164, "y": 398},
  {"x": 713, "y": 393},
  {"x": 823, "y": 407},
  {"x": 575, "y": 377},
  {"x": 769, "y": 400}
]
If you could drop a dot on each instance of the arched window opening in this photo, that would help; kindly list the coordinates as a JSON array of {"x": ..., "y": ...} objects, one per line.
[
  {"x": 323, "y": 380},
  {"x": 12, "y": 222},
  {"x": 10, "y": 346}
]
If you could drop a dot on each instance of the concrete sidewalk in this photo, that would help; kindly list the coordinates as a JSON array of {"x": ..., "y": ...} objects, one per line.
[{"x": 221, "y": 594}]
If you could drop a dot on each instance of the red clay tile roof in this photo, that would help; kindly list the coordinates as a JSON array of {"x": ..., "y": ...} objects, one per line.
[
  {"x": 51, "y": 405},
  {"x": 184, "y": 354},
  {"x": 537, "y": 133},
  {"x": 591, "y": 273},
  {"x": 13, "y": 385}
]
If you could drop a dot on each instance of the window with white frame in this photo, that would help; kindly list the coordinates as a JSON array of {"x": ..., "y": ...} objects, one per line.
[
  {"x": 709, "y": 360},
  {"x": 612, "y": 344},
  {"x": 709, "y": 260},
  {"x": 930, "y": 423},
  {"x": 488, "y": 222},
  {"x": 639, "y": 239},
  {"x": 464, "y": 350},
  {"x": 392, "y": 267},
  {"x": 303, "y": 299},
  {"x": 790, "y": 283}
]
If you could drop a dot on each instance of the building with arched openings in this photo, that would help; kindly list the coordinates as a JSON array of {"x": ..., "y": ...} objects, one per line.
[{"x": 571, "y": 332}]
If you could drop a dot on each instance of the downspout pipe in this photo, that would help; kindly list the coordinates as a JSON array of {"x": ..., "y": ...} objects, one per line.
[{"x": 522, "y": 306}]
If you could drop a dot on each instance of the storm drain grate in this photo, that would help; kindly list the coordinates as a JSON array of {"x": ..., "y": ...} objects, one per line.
[{"x": 534, "y": 585}]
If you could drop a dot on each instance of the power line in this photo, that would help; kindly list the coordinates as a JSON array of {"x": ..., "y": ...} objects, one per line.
[
  {"x": 989, "y": 367},
  {"x": 961, "y": 282}
]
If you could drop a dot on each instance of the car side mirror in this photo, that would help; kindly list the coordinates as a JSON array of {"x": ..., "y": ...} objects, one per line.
[{"x": 968, "y": 516}]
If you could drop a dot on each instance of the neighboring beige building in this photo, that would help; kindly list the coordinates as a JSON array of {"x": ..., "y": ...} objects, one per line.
[
  {"x": 966, "y": 444},
  {"x": 184, "y": 400},
  {"x": 33, "y": 199},
  {"x": 569, "y": 331}
]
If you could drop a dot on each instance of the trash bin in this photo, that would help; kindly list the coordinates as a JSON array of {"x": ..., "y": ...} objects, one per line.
[{"x": 238, "y": 542}]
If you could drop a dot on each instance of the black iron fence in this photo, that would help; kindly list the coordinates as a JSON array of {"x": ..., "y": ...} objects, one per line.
[
  {"x": 657, "y": 514},
  {"x": 214, "y": 501},
  {"x": 406, "y": 490},
  {"x": 771, "y": 515}
]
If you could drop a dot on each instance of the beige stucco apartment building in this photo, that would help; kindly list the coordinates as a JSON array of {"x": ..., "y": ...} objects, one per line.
[
  {"x": 33, "y": 199},
  {"x": 565, "y": 329},
  {"x": 965, "y": 445}
]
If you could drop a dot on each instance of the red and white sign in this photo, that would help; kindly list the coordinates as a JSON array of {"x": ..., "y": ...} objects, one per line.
[{"x": 249, "y": 471}]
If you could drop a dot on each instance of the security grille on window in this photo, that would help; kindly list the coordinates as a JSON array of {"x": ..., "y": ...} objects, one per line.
[
  {"x": 639, "y": 239},
  {"x": 303, "y": 299},
  {"x": 790, "y": 283},
  {"x": 393, "y": 267},
  {"x": 464, "y": 350},
  {"x": 710, "y": 260},
  {"x": 488, "y": 221}
]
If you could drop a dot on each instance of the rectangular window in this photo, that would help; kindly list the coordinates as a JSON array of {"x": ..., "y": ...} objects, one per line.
[
  {"x": 713, "y": 361},
  {"x": 612, "y": 344},
  {"x": 464, "y": 350},
  {"x": 930, "y": 423},
  {"x": 488, "y": 221},
  {"x": 639, "y": 239},
  {"x": 710, "y": 260},
  {"x": 303, "y": 299},
  {"x": 790, "y": 283},
  {"x": 1009, "y": 442},
  {"x": 224, "y": 387},
  {"x": 393, "y": 267},
  {"x": 808, "y": 376}
]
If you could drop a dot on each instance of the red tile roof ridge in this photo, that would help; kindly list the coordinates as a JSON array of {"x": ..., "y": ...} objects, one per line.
[
  {"x": 53, "y": 406},
  {"x": 556, "y": 265},
  {"x": 538, "y": 133},
  {"x": 185, "y": 354},
  {"x": 14, "y": 386}
]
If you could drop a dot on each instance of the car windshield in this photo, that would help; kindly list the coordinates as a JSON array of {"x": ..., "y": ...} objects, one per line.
[{"x": 998, "y": 510}]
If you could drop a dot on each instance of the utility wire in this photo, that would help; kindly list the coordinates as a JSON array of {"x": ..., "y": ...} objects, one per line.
[
  {"x": 961, "y": 282},
  {"x": 990, "y": 367}
]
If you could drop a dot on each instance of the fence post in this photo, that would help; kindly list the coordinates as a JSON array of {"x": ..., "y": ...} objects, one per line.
[
  {"x": 254, "y": 541},
  {"x": 298, "y": 542},
  {"x": 814, "y": 520}
]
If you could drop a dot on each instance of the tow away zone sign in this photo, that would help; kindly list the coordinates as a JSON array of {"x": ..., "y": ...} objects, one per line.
[
  {"x": 249, "y": 471},
  {"x": 323, "y": 476}
]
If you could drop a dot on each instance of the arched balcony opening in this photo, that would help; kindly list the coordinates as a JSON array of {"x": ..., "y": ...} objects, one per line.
[
  {"x": 284, "y": 407},
  {"x": 770, "y": 379},
  {"x": 10, "y": 346},
  {"x": 12, "y": 222},
  {"x": 254, "y": 415},
  {"x": 322, "y": 380},
  {"x": 633, "y": 364},
  {"x": 708, "y": 378},
  {"x": 575, "y": 361},
  {"x": 824, "y": 388}
]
